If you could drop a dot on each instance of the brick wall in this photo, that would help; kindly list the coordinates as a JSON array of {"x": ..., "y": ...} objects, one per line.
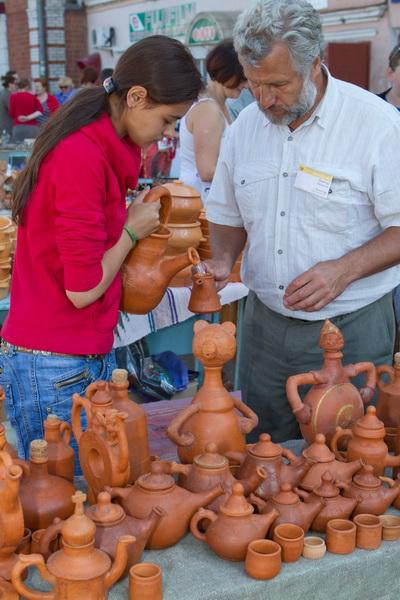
[
  {"x": 76, "y": 44},
  {"x": 18, "y": 37}
]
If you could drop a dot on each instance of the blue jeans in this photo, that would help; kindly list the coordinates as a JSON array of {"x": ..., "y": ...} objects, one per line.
[{"x": 36, "y": 385}]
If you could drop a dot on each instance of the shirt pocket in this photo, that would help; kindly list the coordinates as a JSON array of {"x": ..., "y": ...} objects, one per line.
[{"x": 253, "y": 184}]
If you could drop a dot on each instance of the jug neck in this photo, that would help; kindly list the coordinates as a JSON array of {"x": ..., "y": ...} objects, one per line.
[{"x": 38, "y": 470}]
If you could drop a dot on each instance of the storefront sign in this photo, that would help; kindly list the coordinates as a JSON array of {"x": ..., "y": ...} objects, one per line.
[
  {"x": 205, "y": 31},
  {"x": 171, "y": 21}
]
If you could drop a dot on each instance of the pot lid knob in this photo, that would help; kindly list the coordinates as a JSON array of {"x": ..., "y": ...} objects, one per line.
[
  {"x": 105, "y": 511},
  {"x": 237, "y": 505},
  {"x": 78, "y": 529}
]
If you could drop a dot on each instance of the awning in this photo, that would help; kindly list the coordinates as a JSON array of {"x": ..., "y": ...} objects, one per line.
[{"x": 208, "y": 28}]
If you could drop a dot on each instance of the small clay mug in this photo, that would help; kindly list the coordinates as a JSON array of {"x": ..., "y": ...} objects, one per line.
[
  {"x": 145, "y": 582},
  {"x": 391, "y": 527},
  {"x": 291, "y": 539},
  {"x": 263, "y": 559},
  {"x": 341, "y": 536},
  {"x": 369, "y": 531},
  {"x": 314, "y": 547}
]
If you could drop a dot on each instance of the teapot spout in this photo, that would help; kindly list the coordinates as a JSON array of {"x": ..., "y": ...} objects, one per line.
[
  {"x": 253, "y": 481},
  {"x": 121, "y": 559},
  {"x": 200, "y": 499},
  {"x": 170, "y": 266},
  {"x": 267, "y": 519}
]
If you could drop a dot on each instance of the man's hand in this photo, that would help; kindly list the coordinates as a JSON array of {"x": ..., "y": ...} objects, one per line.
[
  {"x": 220, "y": 270},
  {"x": 318, "y": 286}
]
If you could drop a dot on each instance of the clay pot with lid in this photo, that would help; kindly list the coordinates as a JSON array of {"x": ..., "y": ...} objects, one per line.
[
  {"x": 332, "y": 400},
  {"x": 43, "y": 496},
  {"x": 186, "y": 202},
  {"x": 211, "y": 468},
  {"x": 61, "y": 457},
  {"x": 376, "y": 497},
  {"x": 158, "y": 488},
  {"x": 290, "y": 508},
  {"x": 78, "y": 570},
  {"x": 11, "y": 515},
  {"x": 388, "y": 404},
  {"x": 270, "y": 456},
  {"x": 366, "y": 441},
  {"x": 213, "y": 415},
  {"x": 324, "y": 460},
  {"x": 234, "y": 527}
]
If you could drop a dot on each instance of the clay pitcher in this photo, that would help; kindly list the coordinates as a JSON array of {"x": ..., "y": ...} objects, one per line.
[
  {"x": 388, "y": 405},
  {"x": 61, "y": 458},
  {"x": 78, "y": 570},
  {"x": 146, "y": 272},
  {"x": 11, "y": 516},
  {"x": 333, "y": 400},
  {"x": 212, "y": 416},
  {"x": 376, "y": 497},
  {"x": 203, "y": 298}
]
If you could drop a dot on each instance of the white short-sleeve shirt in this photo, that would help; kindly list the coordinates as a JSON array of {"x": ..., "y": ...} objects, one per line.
[{"x": 354, "y": 137}]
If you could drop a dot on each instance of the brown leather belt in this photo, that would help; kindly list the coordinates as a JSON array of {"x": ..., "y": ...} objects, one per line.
[{"x": 6, "y": 346}]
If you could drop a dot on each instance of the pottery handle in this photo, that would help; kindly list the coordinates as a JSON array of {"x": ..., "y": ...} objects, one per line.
[
  {"x": 187, "y": 438},
  {"x": 258, "y": 502},
  {"x": 289, "y": 455},
  {"x": 163, "y": 195},
  {"x": 194, "y": 256},
  {"x": 179, "y": 469},
  {"x": 249, "y": 420},
  {"x": 65, "y": 432},
  {"x": 77, "y": 403},
  {"x": 24, "y": 562},
  {"x": 337, "y": 436},
  {"x": 301, "y": 493},
  {"x": 201, "y": 514},
  {"x": 391, "y": 482},
  {"x": 387, "y": 370},
  {"x": 50, "y": 534},
  {"x": 368, "y": 389},
  {"x": 300, "y": 410}
]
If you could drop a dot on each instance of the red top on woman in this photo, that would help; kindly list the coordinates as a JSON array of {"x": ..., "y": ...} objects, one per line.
[
  {"x": 75, "y": 213},
  {"x": 22, "y": 104}
]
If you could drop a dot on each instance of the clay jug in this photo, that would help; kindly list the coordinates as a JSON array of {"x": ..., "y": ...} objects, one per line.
[
  {"x": 60, "y": 454},
  {"x": 78, "y": 570},
  {"x": 375, "y": 497},
  {"x": 43, "y": 496},
  {"x": 366, "y": 441},
  {"x": 335, "y": 505},
  {"x": 270, "y": 457},
  {"x": 11, "y": 516},
  {"x": 211, "y": 468},
  {"x": 146, "y": 272},
  {"x": 186, "y": 202},
  {"x": 231, "y": 531},
  {"x": 4, "y": 445},
  {"x": 204, "y": 297},
  {"x": 291, "y": 509},
  {"x": 159, "y": 489},
  {"x": 332, "y": 400},
  {"x": 212, "y": 416},
  {"x": 135, "y": 424},
  {"x": 324, "y": 460},
  {"x": 388, "y": 405}
]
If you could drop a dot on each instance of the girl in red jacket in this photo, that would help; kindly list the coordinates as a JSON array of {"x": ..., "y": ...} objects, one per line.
[{"x": 48, "y": 101}]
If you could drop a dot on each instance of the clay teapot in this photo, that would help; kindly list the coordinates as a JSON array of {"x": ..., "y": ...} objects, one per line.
[
  {"x": 212, "y": 416},
  {"x": 78, "y": 570},
  {"x": 335, "y": 505},
  {"x": 186, "y": 202},
  {"x": 146, "y": 272},
  {"x": 325, "y": 460},
  {"x": 375, "y": 496},
  {"x": 211, "y": 468},
  {"x": 366, "y": 442},
  {"x": 269, "y": 456},
  {"x": 332, "y": 400},
  {"x": 203, "y": 298},
  {"x": 230, "y": 532},
  {"x": 291, "y": 509},
  {"x": 388, "y": 405},
  {"x": 159, "y": 489},
  {"x": 43, "y": 496},
  {"x": 61, "y": 457},
  {"x": 11, "y": 516}
]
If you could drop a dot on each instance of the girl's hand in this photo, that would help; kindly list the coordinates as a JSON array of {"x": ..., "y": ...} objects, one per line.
[{"x": 142, "y": 218}]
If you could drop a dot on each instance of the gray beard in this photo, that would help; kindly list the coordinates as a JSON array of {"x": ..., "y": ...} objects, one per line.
[{"x": 305, "y": 103}]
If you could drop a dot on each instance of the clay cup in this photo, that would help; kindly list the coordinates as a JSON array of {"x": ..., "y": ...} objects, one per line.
[
  {"x": 369, "y": 531},
  {"x": 263, "y": 559},
  {"x": 145, "y": 582},
  {"x": 341, "y": 536},
  {"x": 291, "y": 539},
  {"x": 314, "y": 547},
  {"x": 391, "y": 527}
]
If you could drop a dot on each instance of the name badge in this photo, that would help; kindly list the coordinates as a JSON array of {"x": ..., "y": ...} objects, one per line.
[{"x": 313, "y": 181}]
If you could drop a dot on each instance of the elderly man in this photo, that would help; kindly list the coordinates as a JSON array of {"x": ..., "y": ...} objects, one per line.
[{"x": 309, "y": 176}]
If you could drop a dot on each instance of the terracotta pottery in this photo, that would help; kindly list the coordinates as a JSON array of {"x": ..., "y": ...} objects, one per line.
[
  {"x": 46, "y": 541},
  {"x": 341, "y": 536},
  {"x": 61, "y": 457},
  {"x": 204, "y": 298},
  {"x": 183, "y": 236},
  {"x": 335, "y": 505},
  {"x": 374, "y": 496},
  {"x": 112, "y": 522},
  {"x": 24, "y": 546},
  {"x": 145, "y": 582},
  {"x": 78, "y": 570},
  {"x": 5, "y": 287},
  {"x": 390, "y": 527},
  {"x": 186, "y": 202},
  {"x": 388, "y": 404},
  {"x": 6, "y": 229},
  {"x": 43, "y": 496},
  {"x": 7, "y": 591},
  {"x": 263, "y": 559},
  {"x": 290, "y": 508},
  {"x": 146, "y": 272},
  {"x": 231, "y": 530},
  {"x": 4, "y": 445},
  {"x": 212, "y": 416},
  {"x": 158, "y": 488},
  {"x": 390, "y": 438},
  {"x": 369, "y": 531},
  {"x": 11, "y": 516},
  {"x": 211, "y": 468},
  {"x": 5, "y": 268},
  {"x": 332, "y": 400},
  {"x": 291, "y": 539},
  {"x": 366, "y": 441},
  {"x": 270, "y": 457},
  {"x": 314, "y": 547}
]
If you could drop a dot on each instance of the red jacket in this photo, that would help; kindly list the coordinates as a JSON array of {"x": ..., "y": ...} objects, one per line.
[{"x": 22, "y": 104}]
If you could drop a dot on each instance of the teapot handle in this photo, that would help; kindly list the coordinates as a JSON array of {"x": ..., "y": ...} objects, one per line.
[
  {"x": 249, "y": 420},
  {"x": 186, "y": 438},
  {"x": 300, "y": 410},
  {"x": 65, "y": 431},
  {"x": 387, "y": 370},
  {"x": 163, "y": 195},
  {"x": 368, "y": 389},
  {"x": 201, "y": 514},
  {"x": 49, "y": 535},
  {"x": 339, "y": 434},
  {"x": 31, "y": 560},
  {"x": 77, "y": 403}
]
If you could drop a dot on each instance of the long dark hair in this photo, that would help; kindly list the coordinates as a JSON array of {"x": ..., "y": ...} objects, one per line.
[
  {"x": 222, "y": 64},
  {"x": 160, "y": 64}
]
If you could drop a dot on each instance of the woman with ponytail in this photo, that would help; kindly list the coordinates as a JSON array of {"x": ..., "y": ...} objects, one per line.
[{"x": 75, "y": 232}]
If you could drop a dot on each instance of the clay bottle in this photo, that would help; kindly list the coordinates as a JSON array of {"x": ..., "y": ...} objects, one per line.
[
  {"x": 388, "y": 405},
  {"x": 11, "y": 516},
  {"x": 135, "y": 424},
  {"x": 60, "y": 454}
]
